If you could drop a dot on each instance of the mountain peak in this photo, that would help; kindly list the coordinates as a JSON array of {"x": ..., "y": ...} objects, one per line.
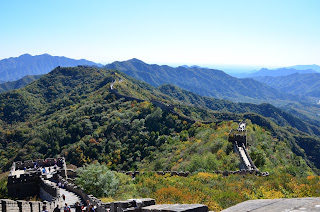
[
  {"x": 45, "y": 54},
  {"x": 15, "y": 68},
  {"x": 25, "y": 55},
  {"x": 135, "y": 60}
]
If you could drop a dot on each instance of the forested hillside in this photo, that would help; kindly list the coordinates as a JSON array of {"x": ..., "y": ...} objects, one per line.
[
  {"x": 203, "y": 81},
  {"x": 208, "y": 82},
  {"x": 217, "y": 84},
  {"x": 71, "y": 112},
  {"x": 19, "y": 83}
]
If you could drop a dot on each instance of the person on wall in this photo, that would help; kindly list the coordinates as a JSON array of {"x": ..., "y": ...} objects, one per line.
[
  {"x": 56, "y": 209},
  {"x": 66, "y": 208}
]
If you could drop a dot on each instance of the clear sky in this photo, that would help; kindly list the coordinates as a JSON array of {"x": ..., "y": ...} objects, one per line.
[{"x": 202, "y": 32}]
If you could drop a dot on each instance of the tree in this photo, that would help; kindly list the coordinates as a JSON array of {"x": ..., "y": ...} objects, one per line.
[
  {"x": 3, "y": 188},
  {"x": 97, "y": 179}
]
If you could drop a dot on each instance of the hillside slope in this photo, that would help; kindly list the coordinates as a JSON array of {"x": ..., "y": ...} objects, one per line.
[
  {"x": 217, "y": 84},
  {"x": 275, "y": 114},
  {"x": 19, "y": 83},
  {"x": 71, "y": 112},
  {"x": 14, "y": 68}
]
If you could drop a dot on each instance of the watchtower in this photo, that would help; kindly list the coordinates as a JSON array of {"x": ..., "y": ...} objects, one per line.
[
  {"x": 24, "y": 177},
  {"x": 239, "y": 135}
]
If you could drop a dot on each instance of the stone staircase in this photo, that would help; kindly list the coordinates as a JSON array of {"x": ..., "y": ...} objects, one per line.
[{"x": 70, "y": 197}]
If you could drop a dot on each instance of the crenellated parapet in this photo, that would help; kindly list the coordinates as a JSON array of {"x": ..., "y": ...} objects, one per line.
[
  {"x": 24, "y": 185},
  {"x": 25, "y": 180},
  {"x": 7, "y": 205},
  {"x": 19, "y": 165}
]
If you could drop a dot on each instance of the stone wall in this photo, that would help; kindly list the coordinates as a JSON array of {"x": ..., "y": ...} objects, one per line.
[
  {"x": 149, "y": 205},
  {"x": 71, "y": 173},
  {"x": 172, "y": 173},
  {"x": 28, "y": 184},
  {"x": 24, "y": 206},
  {"x": 127, "y": 98},
  {"x": 25, "y": 185},
  {"x": 84, "y": 197},
  {"x": 49, "y": 192},
  {"x": 186, "y": 174},
  {"x": 133, "y": 205},
  {"x": 157, "y": 103},
  {"x": 19, "y": 165}
]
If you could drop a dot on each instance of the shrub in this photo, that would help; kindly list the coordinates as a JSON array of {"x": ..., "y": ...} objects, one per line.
[{"x": 97, "y": 179}]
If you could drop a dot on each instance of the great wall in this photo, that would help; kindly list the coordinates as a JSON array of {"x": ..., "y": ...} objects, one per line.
[
  {"x": 162, "y": 105},
  {"x": 237, "y": 136},
  {"x": 49, "y": 180},
  {"x": 43, "y": 177}
]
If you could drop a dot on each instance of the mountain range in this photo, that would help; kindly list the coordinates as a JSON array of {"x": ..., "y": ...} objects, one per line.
[
  {"x": 89, "y": 114},
  {"x": 203, "y": 81},
  {"x": 278, "y": 72},
  {"x": 72, "y": 112},
  {"x": 297, "y": 84},
  {"x": 14, "y": 68},
  {"x": 217, "y": 84},
  {"x": 305, "y": 67}
]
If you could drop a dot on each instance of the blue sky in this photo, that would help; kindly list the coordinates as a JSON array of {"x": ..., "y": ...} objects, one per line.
[{"x": 263, "y": 33}]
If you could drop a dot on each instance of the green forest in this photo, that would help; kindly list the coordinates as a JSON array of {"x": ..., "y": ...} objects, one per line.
[{"x": 72, "y": 112}]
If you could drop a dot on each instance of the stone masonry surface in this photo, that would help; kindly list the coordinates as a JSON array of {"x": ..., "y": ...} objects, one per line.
[{"x": 309, "y": 204}]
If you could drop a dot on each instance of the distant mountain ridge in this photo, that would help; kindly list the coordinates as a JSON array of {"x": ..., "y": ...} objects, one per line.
[
  {"x": 298, "y": 84},
  {"x": 14, "y": 68},
  {"x": 304, "y": 67},
  {"x": 203, "y": 81},
  {"x": 279, "y": 72},
  {"x": 218, "y": 84}
]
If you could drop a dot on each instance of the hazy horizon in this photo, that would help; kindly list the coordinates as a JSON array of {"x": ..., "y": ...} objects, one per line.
[
  {"x": 244, "y": 33},
  {"x": 229, "y": 68}
]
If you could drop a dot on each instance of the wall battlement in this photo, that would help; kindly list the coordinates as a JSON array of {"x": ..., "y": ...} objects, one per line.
[
  {"x": 24, "y": 179},
  {"x": 7, "y": 205},
  {"x": 19, "y": 165}
]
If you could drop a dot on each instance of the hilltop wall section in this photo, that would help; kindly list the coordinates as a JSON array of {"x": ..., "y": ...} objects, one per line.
[
  {"x": 24, "y": 179},
  {"x": 162, "y": 105},
  {"x": 239, "y": 139}
]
